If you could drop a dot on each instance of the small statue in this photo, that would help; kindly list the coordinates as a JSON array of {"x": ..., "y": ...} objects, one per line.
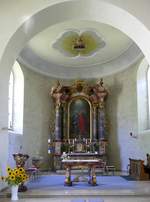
[
  {"x": 56, "y": 93},
  {"x": 101, "y": 91}
]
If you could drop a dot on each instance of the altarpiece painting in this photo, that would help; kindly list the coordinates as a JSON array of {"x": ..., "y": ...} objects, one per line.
[{"x": 79, "y": 111}]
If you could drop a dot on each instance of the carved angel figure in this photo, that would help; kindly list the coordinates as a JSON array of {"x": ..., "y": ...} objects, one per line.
[{"x": 56, "y": 93}]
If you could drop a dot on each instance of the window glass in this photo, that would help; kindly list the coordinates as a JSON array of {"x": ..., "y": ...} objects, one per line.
[{"x": 16, "y": 99}]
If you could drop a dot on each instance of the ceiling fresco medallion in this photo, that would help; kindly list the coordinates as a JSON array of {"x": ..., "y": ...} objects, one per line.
[{"x": 73, "y": 43}]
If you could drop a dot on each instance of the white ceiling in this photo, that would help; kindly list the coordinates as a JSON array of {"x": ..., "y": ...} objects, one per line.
[{"x": 40, "y": 55}]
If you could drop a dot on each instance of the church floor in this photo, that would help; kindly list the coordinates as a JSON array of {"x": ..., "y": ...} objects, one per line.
[
  {"x": 83, "y": 199},
  {"x": 48, "y": 188}
]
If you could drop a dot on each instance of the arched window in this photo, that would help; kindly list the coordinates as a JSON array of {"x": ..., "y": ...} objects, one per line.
[
  {"x": 143, "y": 96},
  {"x": 148, "y": 83},
  {"x": 16, "y": 100},
  {"x": 10, "y": 101}
]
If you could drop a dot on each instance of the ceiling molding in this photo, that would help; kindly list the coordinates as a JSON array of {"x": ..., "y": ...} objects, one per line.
[{"x": 126, "y": 59}]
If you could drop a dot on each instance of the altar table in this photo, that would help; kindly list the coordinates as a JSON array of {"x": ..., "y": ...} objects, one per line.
[{"x": 91, "y": 164}]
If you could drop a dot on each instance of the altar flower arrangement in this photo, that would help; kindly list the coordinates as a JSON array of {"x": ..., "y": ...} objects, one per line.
[{"x": 15, "y": 176}]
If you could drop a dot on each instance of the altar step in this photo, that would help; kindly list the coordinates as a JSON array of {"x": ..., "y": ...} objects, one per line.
[
  {"x": 58, "y": 193},
  {"x": 49, "y": 193},
  {"x": 83, "y": 199}
]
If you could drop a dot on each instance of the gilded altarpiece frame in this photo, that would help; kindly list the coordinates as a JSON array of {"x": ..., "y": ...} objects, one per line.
[{"x": 80, "y": 115}]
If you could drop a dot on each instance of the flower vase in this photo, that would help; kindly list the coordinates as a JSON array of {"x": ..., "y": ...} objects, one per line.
[{"x": 14, "y": 192}]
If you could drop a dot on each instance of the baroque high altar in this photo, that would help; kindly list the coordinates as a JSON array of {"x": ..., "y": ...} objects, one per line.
[{"x": 80, "y": 126}]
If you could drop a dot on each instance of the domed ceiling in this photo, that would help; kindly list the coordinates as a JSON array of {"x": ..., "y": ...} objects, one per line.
[{"x": 107, "y": 50}]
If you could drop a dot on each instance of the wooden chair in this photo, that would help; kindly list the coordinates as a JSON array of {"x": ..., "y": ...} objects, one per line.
[{"x": 32, "y": 172}]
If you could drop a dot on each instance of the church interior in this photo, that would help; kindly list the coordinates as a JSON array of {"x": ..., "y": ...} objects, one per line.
[{"x": 75, "y": 99}]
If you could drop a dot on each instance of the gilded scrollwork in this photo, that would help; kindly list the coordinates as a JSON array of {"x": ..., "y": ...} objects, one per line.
[
  {"x": 94, "y": 95},
  {"x": 79, "y": 117}
]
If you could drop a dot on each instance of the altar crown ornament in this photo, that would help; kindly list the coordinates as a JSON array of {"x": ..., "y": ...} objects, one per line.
[{"x": 79, "y": 44}]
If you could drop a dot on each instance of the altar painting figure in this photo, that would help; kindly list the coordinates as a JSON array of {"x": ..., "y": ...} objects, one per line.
[{"x": 79, "y": 119}]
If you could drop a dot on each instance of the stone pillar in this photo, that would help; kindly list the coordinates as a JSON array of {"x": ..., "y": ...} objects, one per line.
[
  {"x": 64, "y": 122},
  {"x": 101, "y": 123},
  {"x": 58, "y": 137},
  {"x": 58, "y": 124},
  {"x": 94, "y": 122}
]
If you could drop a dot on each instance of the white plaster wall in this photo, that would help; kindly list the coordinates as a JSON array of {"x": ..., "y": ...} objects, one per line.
[
  {"x": 38, "y": 109},
  {"x": 15, "y": 146},
  {"x": 3, "y": 155},
  {"x": 121, "y": 117}
]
